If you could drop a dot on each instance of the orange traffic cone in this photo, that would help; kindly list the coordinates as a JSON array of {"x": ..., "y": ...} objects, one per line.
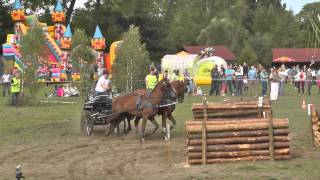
[{"x": 304, "y": 104}]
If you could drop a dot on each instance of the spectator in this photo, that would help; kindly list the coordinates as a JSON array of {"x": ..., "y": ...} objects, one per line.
[
  {"x": 245, "y": 84},
  {"x": 239, "y": 81},
  {"x": 283, "y": 77},
  {"x": 245, "y": 69},
  {"x": 309, "y": 80},
  {"x": 223, "y": 82},
  {"x": 215, "y": 81},
  {"x": 16, "y": 87},
  {"x": 229, "y": 72},
  {"x": 274, "y": 89},
  {"x": 252, "y": 81},
  {"x": 302, "y": 78},
  {"x": 69, "y": 73},
  {"x": 60, "y": 91},
  {"x": 5, "y": 83},
  {"x": 188, "y": 81},
  {"x": 264, "y": 81}
]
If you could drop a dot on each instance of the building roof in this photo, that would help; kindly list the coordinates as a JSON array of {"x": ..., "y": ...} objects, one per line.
[
  {"x": 297, "y": 54},
  {"x": 220, "y": 51},
  {"x": 68, "y": 33},
  {"x": 58, "y": 7},
  {"x": 97, "y": 33},
  {"x": 17, "y": 4}
]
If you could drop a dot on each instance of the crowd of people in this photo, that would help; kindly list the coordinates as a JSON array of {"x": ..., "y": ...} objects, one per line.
[{"x": 238, "y": 80}]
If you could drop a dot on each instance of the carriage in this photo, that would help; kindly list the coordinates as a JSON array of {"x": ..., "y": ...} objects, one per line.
[{"x": 97, "y": 110}]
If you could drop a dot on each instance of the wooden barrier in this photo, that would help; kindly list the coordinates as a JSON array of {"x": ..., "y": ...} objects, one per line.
[
  {"x": 315, "y": 128},
  {"x": 215, "y": 137}
]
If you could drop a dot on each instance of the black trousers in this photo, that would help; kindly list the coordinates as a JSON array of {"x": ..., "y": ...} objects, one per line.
[
  {"x": 215, "y": 87},
  {"x": 15, "y": 98}
]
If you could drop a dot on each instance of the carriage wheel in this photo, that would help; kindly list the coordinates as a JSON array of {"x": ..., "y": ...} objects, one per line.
[{"x": 87, "y": 123}]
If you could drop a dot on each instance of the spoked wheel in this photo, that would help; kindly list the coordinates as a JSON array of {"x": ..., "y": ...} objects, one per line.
[{"x": 87, "y": 123}]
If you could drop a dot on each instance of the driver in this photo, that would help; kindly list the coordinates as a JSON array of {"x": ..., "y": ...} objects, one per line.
[{"x": 103, "y": 85}]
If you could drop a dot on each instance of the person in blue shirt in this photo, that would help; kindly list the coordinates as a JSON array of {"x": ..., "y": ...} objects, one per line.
[
  {"x": 252, "y": 81},
  {"x": 229, "y": 73}
]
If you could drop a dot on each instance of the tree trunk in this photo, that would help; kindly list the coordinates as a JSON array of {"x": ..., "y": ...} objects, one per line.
[
  {"x": 237, "y": 154},
  {"x": 250, "y": 158},
  {"x": 257, "y": 133},
  {"x": 237, "y": 127},
  {"x": 238, "y": 147},
  {"x": 239, "y": 140},
  {"x": 70, "y": 11}
]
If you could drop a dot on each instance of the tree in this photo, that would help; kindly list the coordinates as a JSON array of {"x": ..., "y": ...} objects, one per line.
[
  {"x": 46, "y": 6},
  {"x": 5, "y": 21},
  {"x": 131, "y": 63},
  {"x": 82, "y": 57},
  {"x": 33, "y": 54},
  {"x": 248, "y": 55}
]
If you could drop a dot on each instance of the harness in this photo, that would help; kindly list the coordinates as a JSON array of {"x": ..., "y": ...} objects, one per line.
[{"x": 166, "y": 99}]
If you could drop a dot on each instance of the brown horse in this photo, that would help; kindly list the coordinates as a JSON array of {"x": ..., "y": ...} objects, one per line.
[
  {"x": 144, "y": 105},
  {"x": 166, "y": 111}
]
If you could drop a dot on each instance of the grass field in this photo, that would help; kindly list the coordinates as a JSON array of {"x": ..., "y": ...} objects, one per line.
[{"x": 47, "y": 141}]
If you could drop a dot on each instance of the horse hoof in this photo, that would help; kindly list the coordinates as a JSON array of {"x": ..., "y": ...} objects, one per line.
[{"x": 142, "y": 140}]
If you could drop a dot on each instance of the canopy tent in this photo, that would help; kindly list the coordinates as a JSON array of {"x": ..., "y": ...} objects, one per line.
[{"x": 180, "y": 61}]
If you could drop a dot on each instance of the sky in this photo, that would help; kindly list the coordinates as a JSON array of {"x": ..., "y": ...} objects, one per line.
[{"x": 296, "y": 5}]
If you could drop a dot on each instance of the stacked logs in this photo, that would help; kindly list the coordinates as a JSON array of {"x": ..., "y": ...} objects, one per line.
[
  {"x": 315, "y": 128},
  {"x": 231, "y": 109},
  {"x": 228, "y": 132}
]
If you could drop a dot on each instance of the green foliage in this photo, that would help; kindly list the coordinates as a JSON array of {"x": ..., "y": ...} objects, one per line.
[
  {"x": 248, "y": 55},
  {"x": 167, "y": 25},
  {"x": 33, "y": 54},
  {"x": 131, "y": 63},
  {"x": 5, "y": 21},
  {"x": 82, "y": 56}
]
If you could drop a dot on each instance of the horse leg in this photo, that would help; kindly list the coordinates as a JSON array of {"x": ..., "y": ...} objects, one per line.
[
  {"x": 129, "y": 125},
  {"x": 124, "y": 131},
  {"x": 109, "y": 132},
  {"x": 143, "y": 128},
  {"x": 164, "y": 121},
  {"x": 170, "y": 116},
  {"x": 156, "y": 125},
  {"x": 136, "y": 123}
]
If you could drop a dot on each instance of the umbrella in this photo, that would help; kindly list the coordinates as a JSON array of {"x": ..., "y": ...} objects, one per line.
[{"x": 284, "y": 59}]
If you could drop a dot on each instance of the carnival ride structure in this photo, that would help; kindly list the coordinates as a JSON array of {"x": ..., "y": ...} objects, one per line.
[{"x": 58, "y": 42}]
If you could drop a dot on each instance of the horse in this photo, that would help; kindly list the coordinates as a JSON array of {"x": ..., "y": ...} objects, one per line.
[
  {"x": 166, "y": 111},
  {"x": 144, "y": 105}
]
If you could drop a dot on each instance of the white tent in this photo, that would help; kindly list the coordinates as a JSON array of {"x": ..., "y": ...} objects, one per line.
[{"x": 179, "y": 62}]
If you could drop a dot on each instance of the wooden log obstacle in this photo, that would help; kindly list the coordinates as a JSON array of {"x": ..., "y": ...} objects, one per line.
[
  {"x": 235, "y": 131},
  {"x": 315, "y": 128}
]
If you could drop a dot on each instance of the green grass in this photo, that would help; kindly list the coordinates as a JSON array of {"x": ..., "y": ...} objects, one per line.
[{"x": 25, "y": 125}]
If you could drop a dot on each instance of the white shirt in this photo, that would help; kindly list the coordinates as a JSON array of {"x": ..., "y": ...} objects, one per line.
[
  {"x": 6, "y": 78},
  {"x": 100, "y": 87}
]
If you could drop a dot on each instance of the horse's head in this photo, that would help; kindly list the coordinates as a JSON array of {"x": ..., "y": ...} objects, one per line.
[
  {"x": 166, "y": 88},
  {"x": 179, "y": 87}
]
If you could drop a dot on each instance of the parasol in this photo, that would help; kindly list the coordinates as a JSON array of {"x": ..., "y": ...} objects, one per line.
[{"x": 284, "y": 59}]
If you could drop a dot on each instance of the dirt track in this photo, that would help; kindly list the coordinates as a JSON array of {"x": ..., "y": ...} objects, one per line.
[{"x": 97, "y": 157}]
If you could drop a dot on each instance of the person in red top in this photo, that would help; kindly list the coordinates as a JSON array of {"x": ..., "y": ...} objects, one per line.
[{"x": 302, "y": 77}]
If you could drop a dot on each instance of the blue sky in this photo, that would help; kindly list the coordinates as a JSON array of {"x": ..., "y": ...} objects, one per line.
[{"x": 296, "y": 5}]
